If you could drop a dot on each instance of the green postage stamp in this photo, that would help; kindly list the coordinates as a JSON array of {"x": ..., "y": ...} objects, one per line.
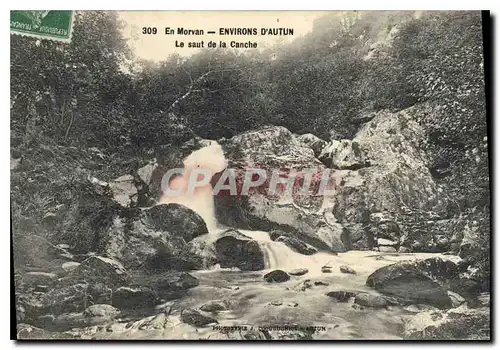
[{"x": 53, "y": 25}]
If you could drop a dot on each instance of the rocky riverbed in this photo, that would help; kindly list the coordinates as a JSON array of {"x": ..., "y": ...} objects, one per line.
[{"x": 321, "y": 296}]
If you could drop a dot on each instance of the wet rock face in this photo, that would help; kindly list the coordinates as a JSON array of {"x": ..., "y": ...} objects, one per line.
[
  {"x": 419, "y": 282},
  {"x": 98, "y": 268},
  {"x": 234, "y": 249},
  {"x": 456, "y": 324}
]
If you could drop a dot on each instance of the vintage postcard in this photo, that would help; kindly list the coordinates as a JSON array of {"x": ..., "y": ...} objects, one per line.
[{"x": 239, "y": 175}]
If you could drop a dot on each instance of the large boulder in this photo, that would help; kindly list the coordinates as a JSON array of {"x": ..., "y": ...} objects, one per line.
[
  {"x": 423, "y": 281},
  {"x": 295, "y": 244},
  {"x": 233, "y": 249}
]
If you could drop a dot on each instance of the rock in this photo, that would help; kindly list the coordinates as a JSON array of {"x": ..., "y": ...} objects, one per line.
[
  {"x": 134, "y": 298},
  {"x": 101, "y": 310},
  {"x": 456, "y": 299},
  {"x": 63, "y": 299},
  {"x": 303, "y": 286},
  {"x": 287, "y": 332},
  {"x": 277, "y": 303},
  {"x": 15, "y": 163},
  {"x": 455, "y": 324},
  {"x": 321, "y": 283},
  {"x": 292, "y": 304},
  {"x": 465, "y": 287},
  {"x": 341, "y": 296},
  {"x": 343, "y": 155},
  {"x": 101, "y": 269},
  {"x": 367, "y": 299},
  {"x": 297, "y": 245},
  {"x": 137, "y": 245},
  {"x": 167, "y": 285},
  {"x": 233, "y": 249},
  {"x": 50, "y": 219},
  {"x": 124, "y": 190},
  {"x": 314, "y": 142},
  {"x": 419, "y": 308},
  {"x": 412, "y": 281},
  {"x": 41, "y": 289},
  {"x": 70, "y": 266},
  {"x": 176, "y": 219},
  {"x": 298, "y": 272},
  {"x": 276, "y": 276},
  {"x": 404, "y": 250},
  {"x": 97, "y": 314},
  {"x": 37, "y": 252},
  {"x": 387, "y": 249},
  {"x": 216, "y": 305},
  {"x": 32, "y": 279},
  {"x": 347, "y": 269},
  {"x": 397, "y": 174},
  {"x": 268, "y": 148},
  {"x": 386, "y": 242},
  {"x": 26, "y": 331},
  {"x": 194, "y": 318}
]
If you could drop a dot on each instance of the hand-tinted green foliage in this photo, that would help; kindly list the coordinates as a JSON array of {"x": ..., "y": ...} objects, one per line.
[{"x": 72, "y": 93}]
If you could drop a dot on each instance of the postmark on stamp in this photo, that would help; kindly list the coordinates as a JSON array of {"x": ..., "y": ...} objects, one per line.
[{"x": 52, "y": 25}]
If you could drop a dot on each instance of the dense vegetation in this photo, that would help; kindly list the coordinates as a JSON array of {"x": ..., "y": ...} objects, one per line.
[{"x": 94, "y": 93}]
